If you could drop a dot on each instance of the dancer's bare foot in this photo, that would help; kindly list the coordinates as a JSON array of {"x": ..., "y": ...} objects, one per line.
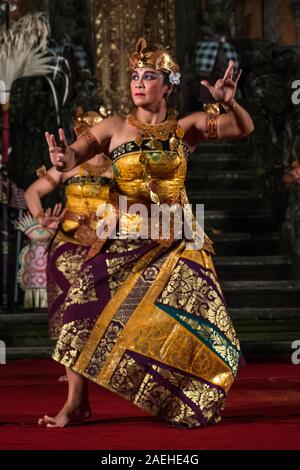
[{"x": 68, "y": 415}]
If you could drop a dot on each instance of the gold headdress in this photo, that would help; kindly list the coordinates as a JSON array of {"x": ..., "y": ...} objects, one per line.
[{"x": 156, "y": 58}]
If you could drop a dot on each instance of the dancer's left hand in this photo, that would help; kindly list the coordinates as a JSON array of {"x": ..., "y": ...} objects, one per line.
[{"x": 225, "y": 88}]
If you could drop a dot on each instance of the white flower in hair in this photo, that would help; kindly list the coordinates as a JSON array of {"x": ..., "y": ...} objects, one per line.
[{"x": 174, "y": 78}]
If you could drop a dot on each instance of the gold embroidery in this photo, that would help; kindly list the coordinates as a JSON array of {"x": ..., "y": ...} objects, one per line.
[
  {"x": 70, "y": 262},
  {"x": 162, "y": 338},
  {"x": 112, "y": 307},
  {"x": 134, "y": 383},
  {"x": 72, "y": 338},
  {"x": 126, "y": 245},
  {"x": 104, "y": 349},
  {"x": 209, "y": 399},
  {"x": 137, "y": 316},
  {"x": 82, "y": 290},
  {"x": 193, "y": 293},
  {"x": 55, "y": 322},
  {"x": 118, "y": 269}
]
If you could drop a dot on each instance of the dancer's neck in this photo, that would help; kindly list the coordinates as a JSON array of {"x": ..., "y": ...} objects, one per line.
[{"x": 152, "y": 115}]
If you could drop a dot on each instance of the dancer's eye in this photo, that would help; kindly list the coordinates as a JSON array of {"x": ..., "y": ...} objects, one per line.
[{"x": 150, "y": 76}]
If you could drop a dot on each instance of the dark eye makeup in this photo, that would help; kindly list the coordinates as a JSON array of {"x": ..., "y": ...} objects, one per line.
[{"x": 145, "y": 76}]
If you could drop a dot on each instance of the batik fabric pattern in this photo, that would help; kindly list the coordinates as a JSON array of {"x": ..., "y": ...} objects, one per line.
[
  {"x": 67, "y": 252},
  {"x": 149, "y": 322}
]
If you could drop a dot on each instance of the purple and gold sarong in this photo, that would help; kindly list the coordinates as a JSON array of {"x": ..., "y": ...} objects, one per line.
[
  {"x": 64, "y": 261},
  {"x": 151, "y": 325},
  {"x": 148, "y": 321},
  {"x": 71, "y": 244}
]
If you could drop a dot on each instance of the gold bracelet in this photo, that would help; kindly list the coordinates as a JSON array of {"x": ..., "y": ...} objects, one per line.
[{"x": 43, "y": 173}]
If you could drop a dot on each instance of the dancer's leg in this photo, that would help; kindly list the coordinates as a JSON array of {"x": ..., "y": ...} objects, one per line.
[{"x": 76, "y": 408}]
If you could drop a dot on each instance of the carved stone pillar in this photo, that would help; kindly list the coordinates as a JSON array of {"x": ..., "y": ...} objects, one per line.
[{"x": 117, "y": 25}]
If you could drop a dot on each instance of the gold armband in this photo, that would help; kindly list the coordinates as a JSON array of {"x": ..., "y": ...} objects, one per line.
[
  {"x": 212, "y": 129},
  {"x": 213, "y": 111},
  {"x": 42, "y": 173},
  {"x": 90, "y": 139}
]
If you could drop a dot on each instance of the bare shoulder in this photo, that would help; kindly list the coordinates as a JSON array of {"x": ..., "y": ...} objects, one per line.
[{"x": 106, "y": 128}]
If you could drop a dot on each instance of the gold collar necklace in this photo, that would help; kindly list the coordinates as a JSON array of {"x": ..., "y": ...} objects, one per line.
[{"x": 160, "y": 131}]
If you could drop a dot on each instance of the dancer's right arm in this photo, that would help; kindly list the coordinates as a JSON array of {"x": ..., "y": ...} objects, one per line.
[
  {"x": 65, "y": 157},
  {"x": 42, "y": 186}
]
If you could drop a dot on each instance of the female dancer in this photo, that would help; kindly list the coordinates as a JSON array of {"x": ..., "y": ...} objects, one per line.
[{"x": 155, "y": 328}]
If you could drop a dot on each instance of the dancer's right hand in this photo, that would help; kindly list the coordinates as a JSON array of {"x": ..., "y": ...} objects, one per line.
[
  {"x": 51, "y": 218},
  {"x": 58, "y": 152}
]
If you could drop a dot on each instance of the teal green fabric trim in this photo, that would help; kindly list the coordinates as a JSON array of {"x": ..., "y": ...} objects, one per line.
[{"x": 230, "y": 355}]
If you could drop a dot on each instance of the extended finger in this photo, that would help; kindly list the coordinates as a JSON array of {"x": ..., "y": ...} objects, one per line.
[
  {"x": 206, "y": 84},
  {"x": 238, "y": 77},
  {"x": 62, "y": 137},
  {"x": 52, "y": 141},
  {"x": 229, "y": 70},
  {"x": 47, "y": 135},
  {"x": 57, "y": 209},
  {"x": 61, "y": 215}
]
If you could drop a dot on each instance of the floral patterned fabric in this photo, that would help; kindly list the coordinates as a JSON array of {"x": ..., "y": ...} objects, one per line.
[{"x": 148, "y": 321}]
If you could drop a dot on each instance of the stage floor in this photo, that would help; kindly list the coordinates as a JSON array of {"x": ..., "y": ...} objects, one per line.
[{"x": 262, "y": 412}]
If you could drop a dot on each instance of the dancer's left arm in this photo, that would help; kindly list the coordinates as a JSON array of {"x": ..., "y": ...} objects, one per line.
[{"x": 235, "y": 123}]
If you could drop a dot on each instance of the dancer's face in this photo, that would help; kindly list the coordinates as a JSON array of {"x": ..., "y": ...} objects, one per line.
[{"x": 148, "y": 86}]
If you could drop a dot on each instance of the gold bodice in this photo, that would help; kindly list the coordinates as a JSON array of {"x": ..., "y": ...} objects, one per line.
[
  {"x": 138, "y": 171},
  {"x": 83, "y": 195}
]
